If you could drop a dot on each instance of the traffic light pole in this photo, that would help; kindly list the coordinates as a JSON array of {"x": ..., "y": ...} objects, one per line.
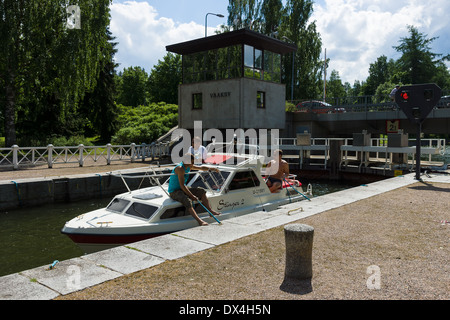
[
  {"x": 418, "y": 143},
  {"x": 417, "y": 101}
]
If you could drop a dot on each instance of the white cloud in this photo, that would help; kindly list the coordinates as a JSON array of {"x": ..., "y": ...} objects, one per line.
[
  {"x": 356, "y": 32},
  {"x": 143, "y": 35}
]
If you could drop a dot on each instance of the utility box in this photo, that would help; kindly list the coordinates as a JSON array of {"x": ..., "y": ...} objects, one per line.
[
  {"x": 362, "y": 139},
  {"x": 304, "y": 139},
  {"x": 398, "y": 140}
]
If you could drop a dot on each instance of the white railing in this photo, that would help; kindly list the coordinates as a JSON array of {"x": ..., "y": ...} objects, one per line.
[
  {"x": 378, "y": 148},
  {"x": 16, "y": 156}
]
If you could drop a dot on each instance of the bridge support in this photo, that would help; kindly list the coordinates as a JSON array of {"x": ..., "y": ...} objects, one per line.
[{"x": 335, "y": 158}]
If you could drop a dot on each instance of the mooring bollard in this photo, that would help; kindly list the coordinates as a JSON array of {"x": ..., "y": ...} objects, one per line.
[{"x": 299, "y": 243}]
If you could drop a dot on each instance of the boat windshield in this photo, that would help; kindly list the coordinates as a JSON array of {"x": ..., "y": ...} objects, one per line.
[
  {"x": 117, "y": 205},
  {"x": 141, "y": 210},
  {"x": 214, "y": 180}
]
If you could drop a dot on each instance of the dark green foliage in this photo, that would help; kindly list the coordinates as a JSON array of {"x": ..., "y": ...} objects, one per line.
[
  {"x": 45, "y": 67},
  {"x": 145, "y": 124}
]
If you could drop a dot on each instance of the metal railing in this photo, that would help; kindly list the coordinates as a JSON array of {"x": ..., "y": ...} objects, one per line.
[
  {"x": 378, "y": 149},
  {"x": 371, "y": 103},
  {"x": 17, "y": 157}
]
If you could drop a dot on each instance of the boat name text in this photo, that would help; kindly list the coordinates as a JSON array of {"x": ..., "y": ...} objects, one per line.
[{"x": 225, "y": 204}]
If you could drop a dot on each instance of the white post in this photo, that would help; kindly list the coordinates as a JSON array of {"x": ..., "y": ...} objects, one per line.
[
  {"x": 108, "y": 153},
  {"x": 15, "y": 150},
  {"x": 80, "y": 152},
  {"x": 133, "y": 152},
  {"x": 143, "y": 146},
  {"x": 50, "y": 155}
]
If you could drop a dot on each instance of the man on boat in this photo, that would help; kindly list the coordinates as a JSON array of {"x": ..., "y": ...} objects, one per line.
[
  {"x": 178, "y": 190},
  {"x": 199, "y": 151},
  {"x": 276, "y": 170}
]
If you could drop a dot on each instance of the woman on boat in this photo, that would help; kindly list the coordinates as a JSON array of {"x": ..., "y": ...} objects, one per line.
[{"x": 178, "y": 190}]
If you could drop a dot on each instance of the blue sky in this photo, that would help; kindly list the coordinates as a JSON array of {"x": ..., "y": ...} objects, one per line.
[{"x": 354, "y": 32}]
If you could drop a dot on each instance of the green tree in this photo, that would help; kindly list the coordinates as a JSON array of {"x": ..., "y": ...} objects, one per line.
[
  {"x": 335, "y": 88},
  {"x": 308, "y": 68},
  {"x": 46, "y": 66},
  {"x": 244, "y": 14},
  {"x": 164, "y": 79},
  {"x": 272, "y": 13},
  {"x": 99, "y": 106},
  {"x": 442, "y": 76},
  {"x": 378, "y": 74},
  {"x": 292, "y": 24},
  {"x": 417, "y": 62},
  {"x": 132, "y": 87}
]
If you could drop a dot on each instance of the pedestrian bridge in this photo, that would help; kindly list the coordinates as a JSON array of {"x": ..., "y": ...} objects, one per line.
[{"x": 376, "y": 118}]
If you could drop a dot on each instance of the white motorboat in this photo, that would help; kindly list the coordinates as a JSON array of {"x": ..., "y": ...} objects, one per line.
[{"x": 237, "y": 189}]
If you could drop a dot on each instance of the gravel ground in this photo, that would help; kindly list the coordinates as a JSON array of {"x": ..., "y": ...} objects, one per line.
[{"x": 399, "y": 233}]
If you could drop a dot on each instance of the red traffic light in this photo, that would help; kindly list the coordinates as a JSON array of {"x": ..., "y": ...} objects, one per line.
[{"x": 404, "y": 95}]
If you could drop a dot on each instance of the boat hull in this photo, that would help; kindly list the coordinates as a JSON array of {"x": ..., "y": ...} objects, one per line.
[{"x": 90, "y": 243}]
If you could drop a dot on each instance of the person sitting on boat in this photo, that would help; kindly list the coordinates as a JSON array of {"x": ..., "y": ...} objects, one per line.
[
  {"x": 178, "y": 190},
  {"x": 277, "y": 169},
  {"x": 199, "y": 151}
]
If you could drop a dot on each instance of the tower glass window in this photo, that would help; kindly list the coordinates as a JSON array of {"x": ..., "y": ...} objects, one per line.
[{"x": 226, "y": 63}]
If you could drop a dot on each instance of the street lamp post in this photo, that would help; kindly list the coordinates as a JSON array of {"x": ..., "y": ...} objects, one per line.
[
  {"x": 292, "y": 76},
  {"x": 206, "y": 20}
]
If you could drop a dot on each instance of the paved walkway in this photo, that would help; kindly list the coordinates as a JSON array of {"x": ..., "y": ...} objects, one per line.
[{"x": 63, "y": 170}]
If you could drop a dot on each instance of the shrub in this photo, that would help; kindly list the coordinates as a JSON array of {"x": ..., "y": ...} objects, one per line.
[{"x": 145, "y": 124}]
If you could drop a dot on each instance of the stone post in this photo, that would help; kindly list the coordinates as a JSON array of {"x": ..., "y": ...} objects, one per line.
[{"x": 299, "y": 242}]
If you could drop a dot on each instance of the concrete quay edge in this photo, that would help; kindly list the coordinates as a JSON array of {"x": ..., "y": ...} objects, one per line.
[
  {"x": 89, "y": 270},
  {"x": 26, "y": 192}
]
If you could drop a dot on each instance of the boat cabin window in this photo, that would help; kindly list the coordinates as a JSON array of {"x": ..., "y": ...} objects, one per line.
[
  {"x": 141, "y": 210},
  {"x": 117, "y": 205},
  {"x": 244, "y": 179}
]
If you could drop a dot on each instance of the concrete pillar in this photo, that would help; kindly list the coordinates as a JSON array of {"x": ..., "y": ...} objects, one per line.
[
  {"x": 335, "y": 157},
  {"x": 397, "y": 140},
  {"x": 304, "y": 139},
  {"x": 299, "y": 242},
  {"x": 362, "y": 140}
]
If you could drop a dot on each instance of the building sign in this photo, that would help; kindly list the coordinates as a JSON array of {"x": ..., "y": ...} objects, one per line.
[
  {"x": 392, "y": 126},
  {"x": 220, "y": 94}
]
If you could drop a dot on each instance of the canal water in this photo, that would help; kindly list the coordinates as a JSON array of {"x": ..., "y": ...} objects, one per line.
[{"x": 31, "y": 237}]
